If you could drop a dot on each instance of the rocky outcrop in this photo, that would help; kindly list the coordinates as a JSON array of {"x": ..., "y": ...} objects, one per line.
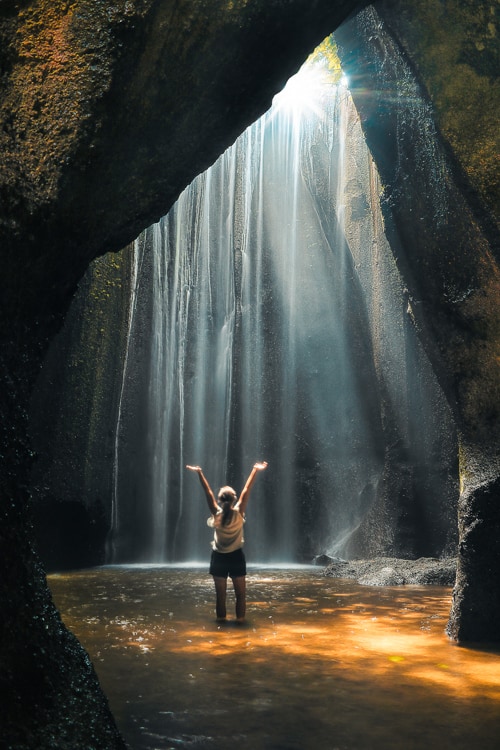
[{"x": 392, "y": 571}]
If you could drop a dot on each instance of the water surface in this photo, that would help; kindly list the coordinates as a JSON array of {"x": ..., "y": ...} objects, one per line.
[{"x": 322, "y": 663}]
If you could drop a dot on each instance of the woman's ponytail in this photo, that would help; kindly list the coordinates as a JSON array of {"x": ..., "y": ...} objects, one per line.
[
  {"x": 226, "y": 512},
  {"x": 226, "y": 497}
]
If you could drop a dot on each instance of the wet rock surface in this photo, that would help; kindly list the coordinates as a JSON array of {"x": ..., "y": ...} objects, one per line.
[
  {"x": 446, "y": 246},
  {"x": 392, "y": 571}
]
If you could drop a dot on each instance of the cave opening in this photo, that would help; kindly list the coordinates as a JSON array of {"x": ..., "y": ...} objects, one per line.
[{"x": 264, "y": 316}]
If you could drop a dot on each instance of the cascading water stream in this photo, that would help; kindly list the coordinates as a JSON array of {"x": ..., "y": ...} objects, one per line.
[
  {"x": 115, "y": 517},
  {"x": 262, "y": 340}
]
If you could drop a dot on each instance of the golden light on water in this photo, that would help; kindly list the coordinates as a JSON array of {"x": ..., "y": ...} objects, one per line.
[
  {"x": 358, "y": 663},
  {"x": 376, "y": 645}
]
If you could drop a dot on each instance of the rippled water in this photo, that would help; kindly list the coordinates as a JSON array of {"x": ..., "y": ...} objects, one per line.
[{"x": 322, "y": 663}]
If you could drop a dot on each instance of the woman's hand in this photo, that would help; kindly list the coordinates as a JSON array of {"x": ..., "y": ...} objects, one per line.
[
  {"x": 260, "y": 465},
  {"x": 194, "y": 468}
]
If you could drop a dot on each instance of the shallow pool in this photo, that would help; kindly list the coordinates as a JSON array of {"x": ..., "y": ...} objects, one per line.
[{"x": 321, "y": 663}]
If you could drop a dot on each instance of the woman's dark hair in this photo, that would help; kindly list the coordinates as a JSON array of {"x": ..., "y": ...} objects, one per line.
[{"x": 226, "y": 497}]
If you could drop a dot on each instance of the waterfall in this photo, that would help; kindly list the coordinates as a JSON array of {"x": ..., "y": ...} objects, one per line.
[
  {"x": 263, "y": 336},
  {"x": 115, "y": 515}
]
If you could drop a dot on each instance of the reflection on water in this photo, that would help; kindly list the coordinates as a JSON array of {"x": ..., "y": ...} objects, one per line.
[{"x": 322, "y": 663}]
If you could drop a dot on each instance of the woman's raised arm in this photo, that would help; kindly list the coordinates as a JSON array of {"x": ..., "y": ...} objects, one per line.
[
  {"x": 245, "y": 493},
  {"x": 211, "y": 502}
]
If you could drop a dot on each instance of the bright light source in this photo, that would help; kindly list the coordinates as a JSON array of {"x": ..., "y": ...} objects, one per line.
[{"x": 304, "y": 91}]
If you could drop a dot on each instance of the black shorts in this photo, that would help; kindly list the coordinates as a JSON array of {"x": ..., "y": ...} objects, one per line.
[{"x": 232, "y": 564}]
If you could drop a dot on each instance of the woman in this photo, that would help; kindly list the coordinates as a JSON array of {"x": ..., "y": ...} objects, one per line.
[{"x": 228, "y": 559}]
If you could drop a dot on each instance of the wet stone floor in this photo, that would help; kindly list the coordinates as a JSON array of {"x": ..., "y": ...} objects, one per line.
[{"x": 321, "y": 663}]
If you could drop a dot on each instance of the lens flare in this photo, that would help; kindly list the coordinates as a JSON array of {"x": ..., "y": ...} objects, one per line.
[{"x": 304, "y": 92}]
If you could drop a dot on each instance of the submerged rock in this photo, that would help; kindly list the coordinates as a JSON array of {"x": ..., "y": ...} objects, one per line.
[{"x": 326, "y": 560}]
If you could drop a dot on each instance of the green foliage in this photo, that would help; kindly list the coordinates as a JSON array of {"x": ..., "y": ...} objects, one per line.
[{"x": 326, "y": 55}]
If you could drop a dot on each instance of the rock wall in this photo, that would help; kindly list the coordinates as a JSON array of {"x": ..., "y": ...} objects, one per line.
[
  {"x": 446, "y": 246},
  {"x": 73, "y": 412}
]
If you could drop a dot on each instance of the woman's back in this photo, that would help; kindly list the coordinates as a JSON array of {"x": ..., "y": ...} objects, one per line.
[{"x": 228, "y": 536}]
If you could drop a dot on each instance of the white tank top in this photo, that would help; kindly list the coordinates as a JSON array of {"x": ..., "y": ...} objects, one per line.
[{"x": 227, "y": 538}]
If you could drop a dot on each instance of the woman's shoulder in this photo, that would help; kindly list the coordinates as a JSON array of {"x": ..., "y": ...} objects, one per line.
[{"x": 211, "y": 519}]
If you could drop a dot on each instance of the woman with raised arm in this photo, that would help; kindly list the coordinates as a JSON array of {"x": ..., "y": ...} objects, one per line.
[{"x": 227, "y": 519}]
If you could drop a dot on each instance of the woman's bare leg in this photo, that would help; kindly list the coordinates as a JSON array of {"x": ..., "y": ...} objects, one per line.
[
  {"x": 240, "y": 587},
  {"x": 220, "y": 597}
]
